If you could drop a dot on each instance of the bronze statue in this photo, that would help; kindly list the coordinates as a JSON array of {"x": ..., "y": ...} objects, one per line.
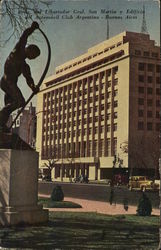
[{"x": 16, "y": 65}]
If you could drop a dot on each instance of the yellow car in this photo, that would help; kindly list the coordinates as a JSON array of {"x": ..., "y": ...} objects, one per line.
[{"x": 142, "y": 183}]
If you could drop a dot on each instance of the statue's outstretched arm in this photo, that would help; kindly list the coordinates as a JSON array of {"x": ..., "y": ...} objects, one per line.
[{"x": 23, "y": 39}]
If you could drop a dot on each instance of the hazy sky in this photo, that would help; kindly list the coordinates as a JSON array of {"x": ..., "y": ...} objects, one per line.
[{"x": 71, "y": 36}]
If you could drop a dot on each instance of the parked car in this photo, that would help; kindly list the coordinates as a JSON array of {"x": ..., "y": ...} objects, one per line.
[{"x": 142, "y": 183}]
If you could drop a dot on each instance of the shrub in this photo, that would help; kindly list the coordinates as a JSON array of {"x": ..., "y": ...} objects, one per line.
[
  {"x": 144, "y": 206},
  {"x": 57, "y": 194}
]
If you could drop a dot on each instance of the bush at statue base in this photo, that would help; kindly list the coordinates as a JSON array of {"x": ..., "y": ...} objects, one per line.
[
  {"x": 144, "y": 206},
  {"x": 57, "y": 194}
]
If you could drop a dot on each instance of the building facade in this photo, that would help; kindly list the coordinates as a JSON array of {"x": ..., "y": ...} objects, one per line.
[
  {"x": 25, "y": 125},
  {"x": 100, "y": 111}
]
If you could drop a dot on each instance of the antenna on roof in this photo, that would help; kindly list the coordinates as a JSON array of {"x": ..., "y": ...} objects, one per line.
[
  {"x": 108, "y": 30},
  {"x": 144, "y": 29}
]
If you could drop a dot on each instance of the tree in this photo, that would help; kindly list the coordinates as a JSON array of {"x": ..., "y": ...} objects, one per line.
[
  {"x": 142, "y": 152},
  {"x": 50, "y": 164},
  {"x": 15, "y": 16}
]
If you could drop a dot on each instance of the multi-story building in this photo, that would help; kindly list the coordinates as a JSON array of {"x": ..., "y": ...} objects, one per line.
[
  {"x": 100, "y": 111},
  {"x": 25, "y": 125}
]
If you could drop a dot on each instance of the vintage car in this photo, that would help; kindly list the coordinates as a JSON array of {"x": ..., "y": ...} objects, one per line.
[{"x": 142, "y": 183}]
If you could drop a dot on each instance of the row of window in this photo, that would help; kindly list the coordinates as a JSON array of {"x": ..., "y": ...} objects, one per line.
[
  {"x": 82, "y": 149},
  {"x": 86, "y": 68},
  {"x": 84, "y": 120},
  {"x": 149, "y": 126},
  {"x": 149, "y": 113},
  {"x": 63, "y": 101},
  {"x": 146, "y": 53},
  {"x": 150, "y": 67},
  {"x": 142, "y": 90},
  {"x": 88, "y": 58},
  {"x": 150, "y": 102},
  {"x": 148, "y": 79},
  {"x": 82, "y": 132}
]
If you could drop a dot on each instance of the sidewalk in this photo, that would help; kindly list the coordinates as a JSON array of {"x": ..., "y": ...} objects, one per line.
[{"x": 99, "y": 207}]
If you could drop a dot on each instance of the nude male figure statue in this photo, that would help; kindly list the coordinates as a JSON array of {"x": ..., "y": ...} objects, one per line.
[{"x": 16, "y": 65}]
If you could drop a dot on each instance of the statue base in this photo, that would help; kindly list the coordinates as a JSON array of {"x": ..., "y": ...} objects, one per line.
[
  {"x": 19, "y": 188},
  {"x": 12, "y": 141}
]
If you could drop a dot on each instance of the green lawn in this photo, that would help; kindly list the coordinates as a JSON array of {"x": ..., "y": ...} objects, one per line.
[
  {"x": 74, "y": 230},
  {"x": 47, "y": 202}
]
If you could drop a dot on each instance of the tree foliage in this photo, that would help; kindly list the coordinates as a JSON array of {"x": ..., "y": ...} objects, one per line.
[{"x": 144, "y": 206}]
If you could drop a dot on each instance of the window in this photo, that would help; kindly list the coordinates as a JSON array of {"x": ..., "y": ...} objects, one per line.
[
  {"x": 108, "y": 147},
  {"x": 157, "y": 126},
  {"x": 150, "y": 67},
  {"x": 154, "y": 54},
  {"x": 149, "y": 113},
  {"x": 101, "y": 129},
  {"x": 115, "y": 70},
  {"x": 141, "y": 90},
  {"x": 115, "y": 127},
  {"x": 157, "y": 91},
  {"x": 90, "y": 119},
  {"x": 141, "y": 101},
  {"x": 158, "y": 68},
  {"x": 141, "y": 66},
  {"x": 109, "y": 83},
  {"x": 157, "y": 103},
  {"x": 157, "y": 114},
  {"x": 115, "y": 92},
  {"x": 102, "y": 117},
  {"x": 108, "y": 72},
  {"x": 108, "y": 105},
  {"x": 149, "y": 126},
  {"x": 141, "y": 78},
  {"x": 109, "y": 94},
  {"x": 108, "y": 128},
  {"x": 140, "y": 125},
  {"x": 115, "y": 81},
  {"x": 137, "y": 52},
  {"x": 158, "y": 80},
  {"x": 96, "y": 98},
  {"x": 96, "y": 118},
  {"x": 102, "y": 106},
  {"x": 114, "y": 146},
  {"x": 101, "y": 148},
  {"x": 115, "y": 104},
  {"x": 146, "y": 53},
  {"x": 140, "y": 113},
  {"x": 150, "y": 102},
  {"x": 150, "y": 90},
  {"x": 150, "y": 79},
  {"x": 96, "y": 88},
  {"x": 115, "y": 115},
  {"x": 95, "y": 148}
]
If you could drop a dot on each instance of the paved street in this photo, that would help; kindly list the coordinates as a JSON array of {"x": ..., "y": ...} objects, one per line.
[{"x": 98, "y": 192}]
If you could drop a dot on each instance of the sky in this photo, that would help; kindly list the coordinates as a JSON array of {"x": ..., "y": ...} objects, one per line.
[{"x": 84, "y": 26}]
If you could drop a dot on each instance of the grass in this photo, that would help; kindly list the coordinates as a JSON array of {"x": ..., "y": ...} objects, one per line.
[
  {"x": 76, "y": 231},
  {"x": 47, "y": 202}
]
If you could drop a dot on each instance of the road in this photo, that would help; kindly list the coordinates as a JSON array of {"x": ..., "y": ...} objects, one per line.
[{"x": 98, "y": 192}]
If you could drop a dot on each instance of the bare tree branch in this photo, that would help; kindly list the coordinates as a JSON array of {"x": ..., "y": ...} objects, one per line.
[{"x": 16, "y": 16}]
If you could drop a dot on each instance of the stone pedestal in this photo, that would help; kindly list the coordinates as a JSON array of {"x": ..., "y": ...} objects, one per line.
[{"x": 19, "y": 188}]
